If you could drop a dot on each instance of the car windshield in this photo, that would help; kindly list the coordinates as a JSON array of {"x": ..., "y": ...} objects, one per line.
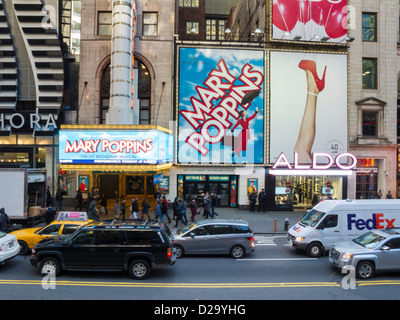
[
  {"x": 65, "y": 239},
  {"x": 312, "y": 218},
  {"x": 2, "y": 234},
  {"x": 369, "y": 240},
  {"x": 187, "y": 228}
]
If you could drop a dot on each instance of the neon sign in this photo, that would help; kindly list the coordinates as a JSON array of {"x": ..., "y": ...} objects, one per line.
[{"x": 282, "y": 165}]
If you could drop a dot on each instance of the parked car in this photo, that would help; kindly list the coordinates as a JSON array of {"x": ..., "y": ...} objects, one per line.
[
  {"x": 29, "y": 237},
  {"x": 215, "y": 236},
  {"x": 9, "y": 247},
  {"x": 374, "y": 251},
  {"x": 134, "y": 246}
]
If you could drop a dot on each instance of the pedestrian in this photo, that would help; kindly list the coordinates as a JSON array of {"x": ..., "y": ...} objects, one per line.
[
  {"x": 261, "y": 201},
  {"x": 389, "y": 195},
  {"x": 49, "y": 199},
  {"x": 145, "y": 209},
  {"x": 92, "y": 212},
  {"x": 117, "y": 209},
  {"x": 134, "y": 209},
  {"x": 164, "y": 208},
  {"x": 207, "y": 207},
  {"x": 253, "y": 200},
  {"x": 193, "y": 209},
  {"x": 49, "y": 215},
  {"x": 59, "y": 199},
  {"x": 184, "y": 217},
  {"x": 179, "y": 213},
  {"x": 213, "y": 204},
  {"x": 79, "y": 199},
  {"x": 3, "y": 221},
  {"x": 314, "y": 200},
  {"x": 157, "y": 195},
  {"x": 122, "y": 207},
  {"x": 103, "y": 203},
  {"x": 175, "y": 208},
  {"x": 158, "y": 213}
]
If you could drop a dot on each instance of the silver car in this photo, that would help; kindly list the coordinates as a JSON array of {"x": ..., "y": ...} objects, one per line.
[
  {"x": 215, "y": 236},
  {"x": 377, "y": 250}
]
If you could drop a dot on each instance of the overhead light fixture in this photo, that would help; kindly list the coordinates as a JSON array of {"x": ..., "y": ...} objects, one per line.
[
  {"x": 258, "y": 31},
  {"x": 286, "y": 34},
  {"x": 350, "y": 39},
  {"x": 297, "y": 37},
  {"x": 194, "y": 30},
  {"x": 316, "y": 37},
  {"x": 324, "y": 39},
  {"x": 227, "y": 31}
]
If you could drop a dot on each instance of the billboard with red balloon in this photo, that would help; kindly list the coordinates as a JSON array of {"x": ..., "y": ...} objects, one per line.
[{"x": 309, "y": 20}]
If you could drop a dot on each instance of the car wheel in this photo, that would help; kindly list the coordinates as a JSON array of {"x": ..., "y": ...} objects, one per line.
[
  {"x": 50, "y": 265},
  {"x": 179, "y": 251},
  {"x": 23, "y": 250},
  {"x": 365, "y": 270},
  {"x": 237, "y": 252},
  {"x": 139, "y": 269},
  {"x": 314, "y": 250}
]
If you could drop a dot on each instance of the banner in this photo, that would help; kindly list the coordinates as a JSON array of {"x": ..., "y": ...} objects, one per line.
[
  {"x": 308, "y": 106},
  {"x": 221, "y": 106},
  {"x": 312, "y": 20}
]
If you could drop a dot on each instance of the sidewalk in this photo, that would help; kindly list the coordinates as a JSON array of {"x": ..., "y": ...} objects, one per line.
[{"x": 260, "y": 222}]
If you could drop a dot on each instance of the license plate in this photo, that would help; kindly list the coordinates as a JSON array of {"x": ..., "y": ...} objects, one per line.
[{"x": 11, "y": 244}]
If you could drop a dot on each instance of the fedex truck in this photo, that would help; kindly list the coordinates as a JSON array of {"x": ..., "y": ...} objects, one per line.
[{"x": 332, "y": 221}]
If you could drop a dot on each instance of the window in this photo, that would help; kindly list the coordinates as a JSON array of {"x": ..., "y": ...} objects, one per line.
[
  {"x": 109, "y": 237},
  {"x": 51, "y": 230},
  {"x": 84, "y": 238},
  {"x": 221, "y": 229},
  {"x": 144, "y": 237},
  {"x": 330, "y": 221},
  {"x": 369, "y": 73},
  {"x": 189, "y": 3},
  {"x": 192, "y": 28},
  {"x": 369, "y": 27},
  {"x": 393, "y": 244},
  {"x": 150, "y": 24},
  {"x": 215, "y": 29},
  {"x": 104, "y": 23},
  {"x": 369, "y": 124},
  {"x": 70, "y": 228}
]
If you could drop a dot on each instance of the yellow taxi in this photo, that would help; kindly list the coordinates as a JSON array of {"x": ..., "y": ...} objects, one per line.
[{"x": 65, "y": 224}]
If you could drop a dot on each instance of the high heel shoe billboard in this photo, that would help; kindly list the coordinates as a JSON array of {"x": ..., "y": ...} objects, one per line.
[
  {"x": 308, "y": 105},
  {"x": 313, "y": 20},
  {"x": 220, "y": 110}
]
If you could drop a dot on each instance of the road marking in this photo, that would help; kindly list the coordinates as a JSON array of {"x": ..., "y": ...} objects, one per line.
[
  {"x": 279, "y": 259},
  {"x": 268, "y": 241},
  {"x": 199, "y": 285}
]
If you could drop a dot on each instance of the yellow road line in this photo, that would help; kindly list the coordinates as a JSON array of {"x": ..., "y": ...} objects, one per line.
[{"x": 198, "y": 285}]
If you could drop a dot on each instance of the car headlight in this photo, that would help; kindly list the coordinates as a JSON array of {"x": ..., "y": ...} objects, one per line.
[
  {"x": 347, "y": 256},
  {"x": 299, "y": 239}
]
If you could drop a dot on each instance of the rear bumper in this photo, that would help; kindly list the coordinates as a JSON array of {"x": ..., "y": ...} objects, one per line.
[{"x": 8, "y": 255}]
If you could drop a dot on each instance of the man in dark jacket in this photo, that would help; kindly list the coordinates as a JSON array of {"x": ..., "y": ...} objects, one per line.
[{"x": 49, "y": 215}]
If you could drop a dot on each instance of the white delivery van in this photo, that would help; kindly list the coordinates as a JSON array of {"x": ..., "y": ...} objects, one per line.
[{"x": 332, "y": 221}]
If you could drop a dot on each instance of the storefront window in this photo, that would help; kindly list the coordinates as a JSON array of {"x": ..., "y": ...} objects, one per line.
[{"x": 298, "y": 191}]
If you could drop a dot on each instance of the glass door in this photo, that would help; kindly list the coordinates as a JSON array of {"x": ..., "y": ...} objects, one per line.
[{"x": 224, "y": 192}]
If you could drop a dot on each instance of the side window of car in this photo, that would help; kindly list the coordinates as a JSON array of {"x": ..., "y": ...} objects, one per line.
[
  {"x": 221, "y": 229},
  {"x": 143, "y": 237},
  {"x": 200, "y": 231},
  {"x": 330, "y": 221},
  {"x": 51, "y": 230},
  {"x": 242, "y": 229},
  {"x": 84, "y": 238},
  {"x": 69, "y": 228},
  {"x": 393, "y": 243},
  {"x": 109, "y": 237}
]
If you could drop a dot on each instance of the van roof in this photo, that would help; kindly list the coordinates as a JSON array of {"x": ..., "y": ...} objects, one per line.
[
  {"x": 349, "y": 204},
  {"x": 223, "y": 221}
]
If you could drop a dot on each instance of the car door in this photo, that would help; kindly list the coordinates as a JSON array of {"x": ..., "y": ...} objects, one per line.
[
  {"x": 49, "y": 231},
  {"x": 221, "y": 237},
  {"x": 110, "y": 252},
  {"x": 197, "y": 240},
  {"x": 80, "y": 251},
  {"x": 329, "y": 230},
  {"x": 389, "y": 258}
]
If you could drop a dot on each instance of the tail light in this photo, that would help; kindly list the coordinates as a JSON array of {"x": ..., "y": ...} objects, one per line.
[
  {"x": 250, "y": 238},
  {"x": 169, "y": 253}
]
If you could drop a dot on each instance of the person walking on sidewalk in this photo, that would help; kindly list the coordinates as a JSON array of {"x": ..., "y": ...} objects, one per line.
[
  {"x": 261, "y": 201},
  {"x": 145, "y": 209},
  {"x": 179, "y": 213},
  {"x": 193, "y": 209},
  {"x": 164, "y": 208},
  {"x": 213, "y": 204},
  {"x": 207, "y": 207},
  {"x": 253, "y": 200}
]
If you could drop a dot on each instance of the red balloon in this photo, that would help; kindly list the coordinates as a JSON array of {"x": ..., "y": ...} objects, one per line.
[
  {"x": 320, "y": 11},
  {"x": 336, "y": 23},
  {"x": 285, "y": 14},
  {"x": 304, "y": 11}
]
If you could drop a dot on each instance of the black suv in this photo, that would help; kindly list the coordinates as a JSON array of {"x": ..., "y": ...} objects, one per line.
[{"x": 134, "y": 246}]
